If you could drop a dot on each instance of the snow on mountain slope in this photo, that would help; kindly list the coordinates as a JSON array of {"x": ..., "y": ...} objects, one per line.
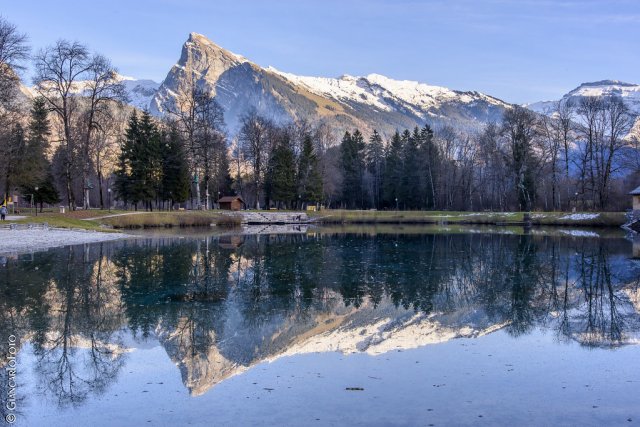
[
  {"x": 140, "y": 92},
  {"x": 628, "y": 92},
  {"x": 367, "y": 102},
  {"x": 540, "y": 107},
  {"x": 344, "y": 88},
  {"x": 387, "y": 94}
]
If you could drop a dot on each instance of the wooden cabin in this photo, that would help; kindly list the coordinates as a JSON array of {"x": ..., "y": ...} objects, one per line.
[
  {"x": 231, "y": 203},
  {"x": 635, "y": 197},
  {"x": 230, "y": 242}
]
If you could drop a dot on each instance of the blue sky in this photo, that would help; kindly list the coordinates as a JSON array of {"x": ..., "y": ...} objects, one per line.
[{"x": 520, "y": 51}]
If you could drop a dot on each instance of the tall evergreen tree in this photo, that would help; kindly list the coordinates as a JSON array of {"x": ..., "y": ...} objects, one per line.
[
  {"x": 139, "y": 173},
  {"x": 46, "y": 192},
  {"x": 149, "y": 162},
  {"x": 38, "y": 169},
  {"x": 222, "y": 181},
  {"x": 175, "y": 169},
  {"x": 13, "y": 155},
  {"x": 352, "y": 156},
  {"x": 309, "y": 174},
  {"x": 430, "y": 161},
  {"x": 38, "y": 143},
  {"x": 411, "y": 188},
  {"x": 375, "y": 166},
  {"x": 281, "y": 174},
  {"x": 124, "y": 170},
  {"x": 393, "y": 172}
]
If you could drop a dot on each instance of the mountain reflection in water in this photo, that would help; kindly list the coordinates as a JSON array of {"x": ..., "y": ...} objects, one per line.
[{"x": 219, "y": 305}]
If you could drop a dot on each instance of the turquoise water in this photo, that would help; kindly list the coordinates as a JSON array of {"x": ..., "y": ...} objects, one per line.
[{"x": 326, "y": 328}]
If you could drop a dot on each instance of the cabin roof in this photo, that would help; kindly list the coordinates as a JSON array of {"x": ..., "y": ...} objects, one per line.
[
  {"x": 635, "y": 192},
  {"x": 228, "y": 199}
]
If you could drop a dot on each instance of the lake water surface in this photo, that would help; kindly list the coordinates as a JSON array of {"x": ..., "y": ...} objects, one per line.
[{"x": 360, "y": 326}]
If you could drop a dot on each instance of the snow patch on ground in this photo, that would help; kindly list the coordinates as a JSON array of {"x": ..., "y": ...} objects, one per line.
[
  {"x": 580, "y": 233},
  {"x": 490, "y": 214},
  {"x": 580, "y": 216},
  {"x": 21, "y": 241}
]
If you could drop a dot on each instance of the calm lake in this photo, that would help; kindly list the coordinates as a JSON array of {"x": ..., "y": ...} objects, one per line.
[{"x": 410, "y": 326}]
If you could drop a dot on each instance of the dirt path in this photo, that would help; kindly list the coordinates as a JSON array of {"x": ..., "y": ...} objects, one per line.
[{"x": 113, "y": 215}]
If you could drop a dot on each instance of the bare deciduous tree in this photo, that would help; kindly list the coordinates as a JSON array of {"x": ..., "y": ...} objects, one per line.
[
  {"x": 603, "y": 126},
  {"x": 103, "y": 91},
  {"x": 58, "y": 69},
  {"x": 255, "y": 144},
  {"x": 13, "y": 52},
  {"x": 80, "y": 89}
]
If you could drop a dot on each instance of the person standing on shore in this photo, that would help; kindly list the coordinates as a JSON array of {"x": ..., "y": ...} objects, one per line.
[{"x": 3, "y": 212}]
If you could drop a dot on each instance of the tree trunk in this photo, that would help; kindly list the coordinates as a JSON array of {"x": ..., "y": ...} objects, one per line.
[
  {"x": 100, "y": 187},
  {"x": 70, "y": 198}
]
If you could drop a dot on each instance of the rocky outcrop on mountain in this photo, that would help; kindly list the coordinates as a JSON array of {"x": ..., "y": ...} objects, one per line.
[{"x": 367, "y": 102}]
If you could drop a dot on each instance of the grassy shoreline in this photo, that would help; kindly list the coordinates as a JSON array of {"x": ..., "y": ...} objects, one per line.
[
  {"x": 106, "y": 221},
  {"x": 564, "y": 219}
]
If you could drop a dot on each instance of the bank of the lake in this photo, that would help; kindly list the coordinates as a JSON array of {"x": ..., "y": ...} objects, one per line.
[
  {"x": 564, "y": 219},
  {"x": 101, "y": 221}
]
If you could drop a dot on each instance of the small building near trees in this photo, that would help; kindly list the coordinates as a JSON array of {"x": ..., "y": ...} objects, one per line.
[
  {"x": 635, "y": 196},
  {"x": 231, "y": 203}
]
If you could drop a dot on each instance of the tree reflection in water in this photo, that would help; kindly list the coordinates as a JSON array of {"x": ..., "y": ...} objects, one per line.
[{"x": 221, "y": 304}]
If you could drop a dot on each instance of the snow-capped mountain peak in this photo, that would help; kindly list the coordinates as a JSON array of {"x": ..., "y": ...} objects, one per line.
[
  {"x": 628, "y": 92},
  {"x": 372, "y": 101},
  {"x": 200, "y": 40}
]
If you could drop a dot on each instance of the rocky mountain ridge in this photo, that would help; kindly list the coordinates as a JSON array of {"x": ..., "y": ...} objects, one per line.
[{"x": 366, "y": 102}]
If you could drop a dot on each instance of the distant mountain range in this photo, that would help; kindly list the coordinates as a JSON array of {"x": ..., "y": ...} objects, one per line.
[
  {"x": 370, "y": 102},
  {"x": 630, "y": 94}
]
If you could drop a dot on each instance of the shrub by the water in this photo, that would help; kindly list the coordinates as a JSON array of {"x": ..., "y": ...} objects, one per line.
[
  {"x": 229, "y": 221},
  {"x": 163, "y": 219}
]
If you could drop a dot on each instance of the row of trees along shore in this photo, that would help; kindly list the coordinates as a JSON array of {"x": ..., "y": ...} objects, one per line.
[
  {"x": 82, "y": 144},
  {"x": 575, "y": 155}
]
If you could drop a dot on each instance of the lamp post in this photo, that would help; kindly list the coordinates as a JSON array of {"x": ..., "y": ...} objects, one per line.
[
  {"x": 31, "y": 204},
  {"x": 36, "y": 205},
  {"x": 396, "y": 203},
  {"x": 109, "y": 198}
]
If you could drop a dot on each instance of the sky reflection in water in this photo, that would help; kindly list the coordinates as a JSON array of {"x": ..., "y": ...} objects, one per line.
[{"x": 115, "y": 329}]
